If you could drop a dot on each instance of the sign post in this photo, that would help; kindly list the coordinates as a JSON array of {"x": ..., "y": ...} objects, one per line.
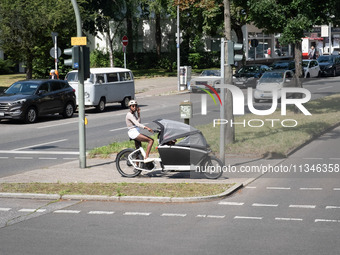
[
  {"x": 54, "y": 38},
  {"x": 125, "y": 42}
]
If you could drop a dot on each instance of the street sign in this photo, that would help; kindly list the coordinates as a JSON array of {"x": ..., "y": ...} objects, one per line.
[
  {"x": 53, "y": 54},
  {"x": 77, "y": 41},
  {"x": 125, "y": 40}
]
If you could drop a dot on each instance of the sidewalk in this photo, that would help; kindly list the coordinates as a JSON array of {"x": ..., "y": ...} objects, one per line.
[{"x": 104, "y": 170}]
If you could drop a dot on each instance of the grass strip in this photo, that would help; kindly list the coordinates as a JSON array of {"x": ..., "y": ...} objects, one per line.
[{"x": 118, "y": 189}]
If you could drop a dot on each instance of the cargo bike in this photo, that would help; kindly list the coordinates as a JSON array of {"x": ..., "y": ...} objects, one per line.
[{"x": 181, "y": 148}]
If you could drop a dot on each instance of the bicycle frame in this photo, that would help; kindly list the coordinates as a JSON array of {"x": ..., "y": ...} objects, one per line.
[{"x": 137, "y": 162}]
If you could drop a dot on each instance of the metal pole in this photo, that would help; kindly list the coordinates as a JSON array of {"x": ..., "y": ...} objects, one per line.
[
  {"x": 124, "y": 49},
  {"x": 222, "y": 110},
  {"x": 178, "y": 49},
  {"x": 330, "y": 38},
  {"x": 55, "y": 53},
  {"x": 81, "y": 105}
]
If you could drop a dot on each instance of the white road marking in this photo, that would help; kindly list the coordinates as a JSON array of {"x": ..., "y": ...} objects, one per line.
[
  {"x": 303, "y": 206},
  {"x": 55, "y": 125},
  {"x": 325, "y": 220},
  {"x": 289, "y": 219},
  {"x": 310, "y": 188},
  {"x": 173, "y": 215},
  {"x": 248, "y": 218},
  {"x": 32, "y": 210},
  {"x": 41, "y": 152},
  {"x": 328, "y": 87},
  {"x": 23, "y": 157},
  {"x": 137, "y": 213},
  {"x": 230, "y": 203},
  {"x": 265, "y": 205},
  {"x": 38, "y": 145},
  {"x": 47, "y": 158},
  {"x": 332, "y": 207},
  {"x": 66, "y": 211},
  {"x": 336, "y": 189},
  {"x": 250, "y": 187},
  {"x": 101, "y": 212},
  {"x": 122, "y": 128},
  {"x": 279, "y": 188},
  {"x": 216, "y": 216},
  {"x": 313, "y": 158},
  {"x": 5, "y": 209},
  {"x": 4, "y": 157}
]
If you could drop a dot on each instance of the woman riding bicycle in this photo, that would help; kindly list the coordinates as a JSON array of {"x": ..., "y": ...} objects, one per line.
[{"x": 134, "y": 125}]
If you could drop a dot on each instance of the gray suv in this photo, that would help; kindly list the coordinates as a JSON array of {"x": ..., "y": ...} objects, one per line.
[{"x": 26, "y": 100}]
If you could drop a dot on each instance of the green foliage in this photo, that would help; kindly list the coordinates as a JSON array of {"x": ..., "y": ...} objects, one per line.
[
  {"x": 26, "y": 28},
  {"x": 6, "y": 66}
]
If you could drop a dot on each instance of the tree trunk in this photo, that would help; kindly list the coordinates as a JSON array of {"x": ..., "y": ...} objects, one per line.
[
  {"x": 158, "y": 35},
  {"x": 29, "y": 68},
  {"x": 111, "y": 54},
  {"x": 228, "y": 104}
]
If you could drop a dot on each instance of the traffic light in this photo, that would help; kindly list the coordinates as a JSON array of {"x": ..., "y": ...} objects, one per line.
[
  {"x": 232, "y": 57},
  {"x": 75, "y": 53},
  {"x": 75, "y": 62}
]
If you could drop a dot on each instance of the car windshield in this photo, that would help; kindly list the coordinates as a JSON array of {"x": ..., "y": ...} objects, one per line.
[
  {"x": 281, "y": 65},
  {"x": 22, "y": 88},
  {"x": 305, "y": 63},
  {"x": 72, "y": 77},
  {"x": 325, "y": 59},
  {"x": 271, "y": 77},
  {"x": 249, "y": 69},
  {"x": 211, "y": 73}
]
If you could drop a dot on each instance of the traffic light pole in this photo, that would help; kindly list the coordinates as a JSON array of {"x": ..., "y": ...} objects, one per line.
[{"x": 81, "y": 105}]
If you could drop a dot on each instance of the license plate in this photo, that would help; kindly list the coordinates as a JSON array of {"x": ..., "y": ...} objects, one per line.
[{"x": 2, "y": 114}]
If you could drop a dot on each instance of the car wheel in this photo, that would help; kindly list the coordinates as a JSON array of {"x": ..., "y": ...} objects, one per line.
[
  {"x": 101, "y": 106},
  {"x": 68, "y": 111},
  {"x": 31, "y": 115},
  {"x": 125, "y": 102}
]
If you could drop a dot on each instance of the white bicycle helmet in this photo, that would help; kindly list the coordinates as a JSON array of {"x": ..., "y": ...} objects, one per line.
[{"x": 132, "y": 102}]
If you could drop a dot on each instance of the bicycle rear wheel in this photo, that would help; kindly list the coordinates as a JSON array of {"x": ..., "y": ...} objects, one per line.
[
  {"x": 212, "y": 167},
  {"x": 124, "y": 167}
]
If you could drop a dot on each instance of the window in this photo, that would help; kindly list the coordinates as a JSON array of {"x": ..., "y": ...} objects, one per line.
[
  {"x": 125, "y": 76},
  {"x": 112, "y": 77},
  {"x": 56, "y": 86},
  {"x": 44, "y": 87},
  {"x": 100, "y": 78}
]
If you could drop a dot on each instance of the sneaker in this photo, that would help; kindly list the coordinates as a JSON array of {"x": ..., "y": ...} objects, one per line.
[{"x": 148, "y": 160}]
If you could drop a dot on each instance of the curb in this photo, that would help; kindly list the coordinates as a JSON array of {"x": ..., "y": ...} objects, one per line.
[{"x": 226, "y": 193}]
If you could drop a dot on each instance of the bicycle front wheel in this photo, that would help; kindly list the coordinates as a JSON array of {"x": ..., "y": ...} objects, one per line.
[
  {"x": 124, "y": 166},
  {"x": 212, "y": 167}
]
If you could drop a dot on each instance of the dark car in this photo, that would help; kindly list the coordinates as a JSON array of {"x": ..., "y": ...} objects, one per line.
[
  {"x": 329, "y": 65},
  {"x": 284, "y": 65},
  {"x": 247, "y": 75},
  {"x": 26, "y": 100}
]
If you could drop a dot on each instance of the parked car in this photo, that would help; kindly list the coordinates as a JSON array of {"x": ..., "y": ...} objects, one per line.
[
  {"x": 273, "y": 80},
  {"x": 311, "y": 68},
  {"x": 29, "y": 99},
  {"x": 284, "y": 64},
  {"x": 207, "y": 77},
  {"x": 248, "y": 75},
  {"x": 329, "y": 65}
]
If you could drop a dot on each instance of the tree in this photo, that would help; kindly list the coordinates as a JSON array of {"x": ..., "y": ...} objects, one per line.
[
  {"x": 106, "y": 17},
  {"x": 159, "y": 7},
  {"x": 26, "y": 28},
  {"x": 291, "y": 19}
]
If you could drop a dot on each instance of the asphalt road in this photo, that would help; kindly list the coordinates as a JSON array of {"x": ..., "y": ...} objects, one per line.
[
  {"x": 291, "y": 213},
  {"x": 54, "y": 140}
]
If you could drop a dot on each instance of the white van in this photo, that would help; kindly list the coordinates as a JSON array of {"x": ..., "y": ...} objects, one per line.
[{"x": 105, "y": 85}]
